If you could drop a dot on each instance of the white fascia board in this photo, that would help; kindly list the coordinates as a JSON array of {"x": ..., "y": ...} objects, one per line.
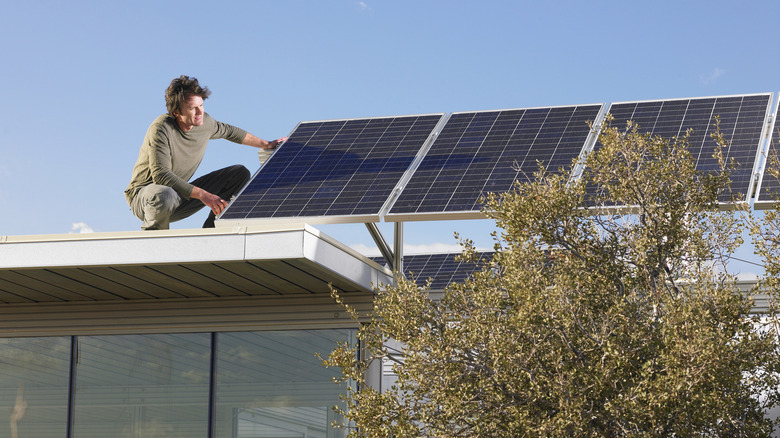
[
  {"x": 138, "y": 247},
  {"x": 278, "y": 245},
  {"x": 334, "y": 256},
  {"x": 130, "y": 251},
  {"x": 192, "y": 246}
]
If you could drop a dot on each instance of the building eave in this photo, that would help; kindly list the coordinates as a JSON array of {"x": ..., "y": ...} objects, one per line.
[{"x": 221, "y": 262}]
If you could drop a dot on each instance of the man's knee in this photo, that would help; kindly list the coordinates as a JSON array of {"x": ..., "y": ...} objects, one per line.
[
  {"x": 241, "y": 172},
  {"x": 159, "y": 196},
  {"x": 238, "y": 176},
  {"x": 156, "y": 203}
]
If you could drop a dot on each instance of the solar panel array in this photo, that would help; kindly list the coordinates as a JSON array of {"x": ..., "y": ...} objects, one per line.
[
  {"x": 334, "y": 168},
  {"x": 742, "y": 121},
  {"x": 481, "y": 152},
  {"x": 441, "y": 269},
  {"x": 430, "y": 167}
]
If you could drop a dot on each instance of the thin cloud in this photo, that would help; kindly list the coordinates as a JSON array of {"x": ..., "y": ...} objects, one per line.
[
  {"x": 363, "y": 6},
  {"x": 713, "y": 76},
  {"x": 81, "y": 227},
  {"x": 432, "y": 248},
  {"x": 366, "y": 250}
]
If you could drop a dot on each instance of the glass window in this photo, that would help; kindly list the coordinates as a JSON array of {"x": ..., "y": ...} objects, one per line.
[
  {"x": 149, "y": 386},
  {"x": 34, "y": 379},
  {"x": 271, "y": 384}
]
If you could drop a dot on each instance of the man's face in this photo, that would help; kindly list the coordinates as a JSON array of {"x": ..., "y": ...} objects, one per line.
[{"x": 190, "y": 113}]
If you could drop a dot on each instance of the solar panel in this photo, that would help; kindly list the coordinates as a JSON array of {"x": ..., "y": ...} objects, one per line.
[
  {"x": 742, "y": 121},
  {"x": 768, "y": 190},
  {"x": 480, "y": 152},
  {"x": 441, "y": 269},
  {"x": 334, "y": 169}
]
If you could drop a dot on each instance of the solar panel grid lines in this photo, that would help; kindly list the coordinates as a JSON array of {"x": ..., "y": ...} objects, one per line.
[
  {"x": 480, "y": 152},
  {"x": 441, "y": 268},
  {"x": 437, "y": 166},
  {"x": 464, "y": 157},
  {"x": 334, "y": 170},
  {"x": 768, "y": 187},
  {"x": 413, "y": 166},
  {"x": 741, "y": 121}
]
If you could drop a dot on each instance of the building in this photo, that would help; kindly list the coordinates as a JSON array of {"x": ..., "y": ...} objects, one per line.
[
  {"x": 215, "y": 333},
  {"x": 175, "y": 333}
]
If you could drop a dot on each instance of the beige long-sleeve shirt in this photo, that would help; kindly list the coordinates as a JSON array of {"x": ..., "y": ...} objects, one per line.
[{"x": 170, "y": 156}]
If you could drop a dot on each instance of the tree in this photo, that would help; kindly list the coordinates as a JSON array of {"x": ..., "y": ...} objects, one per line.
[
  {"x": 765, "y": 232},
  {"x": 590, "y": 320}
]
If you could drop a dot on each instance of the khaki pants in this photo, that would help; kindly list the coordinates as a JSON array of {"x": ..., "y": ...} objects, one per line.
[{"x": 157, "y": 205}]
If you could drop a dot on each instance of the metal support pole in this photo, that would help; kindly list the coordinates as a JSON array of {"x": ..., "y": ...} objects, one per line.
[
  {"x": 381, "y": 243},
  {"x": 398, "y": 248}
]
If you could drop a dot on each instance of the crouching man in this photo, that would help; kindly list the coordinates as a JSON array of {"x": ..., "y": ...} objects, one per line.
[{"x": 160, "y": 191}]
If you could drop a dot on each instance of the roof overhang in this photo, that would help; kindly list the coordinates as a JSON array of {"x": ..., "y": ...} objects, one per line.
[{"x": 202, "y": 263}]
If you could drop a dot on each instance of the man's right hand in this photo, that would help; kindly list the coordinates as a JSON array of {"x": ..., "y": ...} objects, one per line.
[{"x": 214, "y": 202}]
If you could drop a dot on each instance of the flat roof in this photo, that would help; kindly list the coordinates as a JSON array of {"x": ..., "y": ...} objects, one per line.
[{"x": 197, "y": 263}]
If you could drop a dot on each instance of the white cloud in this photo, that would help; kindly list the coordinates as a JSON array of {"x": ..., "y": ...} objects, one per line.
[
  {"x": 368, "y": 251},
  {"x": 431, "y": 248},
  {"x": 713, "y": 76},
  {"x": 80, "y": 227},
  {"x": 363, "y": 6}
]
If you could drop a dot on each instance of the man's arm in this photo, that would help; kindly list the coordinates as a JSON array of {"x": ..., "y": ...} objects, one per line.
[
  {"x": 251, "y": 140},
  {"x": 210, "y": 200},
  {"x": 214, "y": 202}
]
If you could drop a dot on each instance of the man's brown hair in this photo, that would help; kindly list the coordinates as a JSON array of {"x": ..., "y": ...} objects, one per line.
[{"x": 182, "y": 88}]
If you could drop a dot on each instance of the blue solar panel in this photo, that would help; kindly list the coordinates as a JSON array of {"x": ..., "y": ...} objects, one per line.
[
  {"x": 481, "y": 152},
  {"x": 442, "y": 269},
  {"x": 768, "y": 191},
  {"x": 334, "y": 168},
  {"x": 742, "y": 121}
]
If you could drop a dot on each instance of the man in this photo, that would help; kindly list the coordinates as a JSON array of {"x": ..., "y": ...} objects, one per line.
[{"x": 174, "y": 145}]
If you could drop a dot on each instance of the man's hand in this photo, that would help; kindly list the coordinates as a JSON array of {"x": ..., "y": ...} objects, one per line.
[
  {"x": 258, "y": 142},
  {"x": 273, "y": 144},
  {"x": 214, "y": 202}
]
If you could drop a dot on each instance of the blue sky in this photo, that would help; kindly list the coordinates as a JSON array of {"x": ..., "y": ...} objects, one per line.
[{"x": 83, "y": 79}]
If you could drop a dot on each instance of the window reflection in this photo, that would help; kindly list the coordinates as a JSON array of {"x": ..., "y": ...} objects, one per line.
[
  {"x": 34, "y": 378},
  {"x": 267, "y": 384},
  {"x": 142, "y": 386},
  {"x": 271, "y": 384}
]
